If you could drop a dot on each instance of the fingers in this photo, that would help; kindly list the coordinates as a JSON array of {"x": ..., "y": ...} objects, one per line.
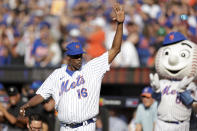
[
  {"x": 151, "y": 76},
  {"x": 117, "y": 7},
  {"x": 184, "y": 83},
  {"x": 190, "y": 79},
  {"x": 156, "y": 77},
  {"x": 22, "y": 112}
]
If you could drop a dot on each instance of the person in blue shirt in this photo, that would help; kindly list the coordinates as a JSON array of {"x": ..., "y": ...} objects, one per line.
[{"x": 146, "y": 114}]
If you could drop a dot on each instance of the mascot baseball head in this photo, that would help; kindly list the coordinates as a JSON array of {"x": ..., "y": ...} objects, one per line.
[{"x": 177, "y": 57}]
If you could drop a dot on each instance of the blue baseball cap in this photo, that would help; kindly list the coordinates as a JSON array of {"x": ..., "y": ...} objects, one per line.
[
  {"x": 147, "y": 91},
  {"x": 74, "y": 48},
  {"x": 35, "y": 85},
  {"x": 173, "y": 37},
  {"x": 44, "y": 24}
]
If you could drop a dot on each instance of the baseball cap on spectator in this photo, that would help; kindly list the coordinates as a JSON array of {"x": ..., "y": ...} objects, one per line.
[
  {"x": 44, "y": 24},
  {"x": 173, "y": 37},
  {"x": 74, "y": 48},
  {"x": 35, "y": 85},
  {"x": 147, "y": 92},
  {"x": 12, "y": 91}
]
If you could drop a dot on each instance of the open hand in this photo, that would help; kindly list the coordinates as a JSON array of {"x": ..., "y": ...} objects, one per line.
[
  {"x": 184, "y": 83},
  {"x": 119, "y": 13},
  {"x": 154, "y": 82}
]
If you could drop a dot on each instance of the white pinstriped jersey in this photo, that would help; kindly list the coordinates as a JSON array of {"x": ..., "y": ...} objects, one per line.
[
  {"x": 170, "y": 107},
  {"x": 77, "y": 97}
]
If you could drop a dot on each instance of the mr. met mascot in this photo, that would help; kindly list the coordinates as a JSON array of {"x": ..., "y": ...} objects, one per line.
[{"x": 176, "y": 67}]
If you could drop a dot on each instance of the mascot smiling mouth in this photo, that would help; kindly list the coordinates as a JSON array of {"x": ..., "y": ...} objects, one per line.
[{"x": 174, "y": 71}]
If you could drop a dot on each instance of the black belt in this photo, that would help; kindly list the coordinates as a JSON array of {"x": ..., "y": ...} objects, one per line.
[
  {"x": 75, "y": 125},
  {"x": 174, "y": 122}
]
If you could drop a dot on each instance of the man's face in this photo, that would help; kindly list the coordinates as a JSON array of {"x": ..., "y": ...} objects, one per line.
[
  {"x": 147, "y": 101},
  {"x": 14, "y": 99},
  {"x": 35, "y": 126},
  {"x": 76, "y": 61}
]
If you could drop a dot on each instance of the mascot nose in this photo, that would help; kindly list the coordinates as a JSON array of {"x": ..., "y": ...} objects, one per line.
[{"x": 173, "y": 60}]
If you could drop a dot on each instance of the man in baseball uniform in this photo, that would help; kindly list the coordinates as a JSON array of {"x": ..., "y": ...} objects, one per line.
[
  {"x": 176, "y": 64},
  {"x": 76, "y": 88}
]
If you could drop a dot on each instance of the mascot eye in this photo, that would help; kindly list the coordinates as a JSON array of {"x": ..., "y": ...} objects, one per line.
[
  {"x": 166, "y": 52},
  {"x": 185, "y": 54}
]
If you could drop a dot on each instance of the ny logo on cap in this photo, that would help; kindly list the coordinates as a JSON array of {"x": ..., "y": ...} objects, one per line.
[
  {"x": 77, "y": 46},
  {"x": 171, "y": 37},
  {"x": 146, "y": 90}
]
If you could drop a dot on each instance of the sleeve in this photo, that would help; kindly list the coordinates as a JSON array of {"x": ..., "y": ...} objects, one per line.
[
  {"x": 193, "y": 88},
  {"x": 138, "y": 116},
  {"x": 47, "y": 88},
  {"x": 100, "y": 65}
]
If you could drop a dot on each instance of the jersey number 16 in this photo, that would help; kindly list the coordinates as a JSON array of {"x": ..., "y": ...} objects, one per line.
[{"x": 82, "y": 93}]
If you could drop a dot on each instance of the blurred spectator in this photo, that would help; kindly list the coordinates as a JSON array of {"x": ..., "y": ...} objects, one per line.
[
  {"x": 4, "y": 98},
  {"x": 25, "y": 45},
  {"x": 15, "y": 121},
  {"x": 146, "y": 114},
  {"x": 115, "y": 123},
  {"x": 110, "y": 33},
  {"x": 49, "y": 113},
  {"x": 128, "y": 57},
  {"x": 33, "y": 88},
  {"x": 75, "y": 35},
  {"x": 22, "y": 23},
  {"x": 96, "y": 38},
  {"x": 161, "y": 32},
  {"x": 35, "y": 123},
  {"x": 132, "y": 124},
  {"x": 4, "y": 101},
  {"x": 24, "y": 93},
  {"x": 102, "y": 122},
  {"x": 41, "y": 46}
]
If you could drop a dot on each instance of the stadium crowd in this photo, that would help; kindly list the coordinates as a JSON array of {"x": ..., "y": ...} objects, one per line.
[{"x": 34, "y": 33}]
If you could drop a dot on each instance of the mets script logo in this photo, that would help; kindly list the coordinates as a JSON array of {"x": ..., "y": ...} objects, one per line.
[
  {"x": 167, "y": 91},
  {"x": 65, "y": 88}
]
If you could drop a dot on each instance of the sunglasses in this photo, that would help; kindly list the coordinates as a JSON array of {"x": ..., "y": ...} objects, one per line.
[
  {"x": 145, "y": 97},
  {"x": 75, "y": 56}
]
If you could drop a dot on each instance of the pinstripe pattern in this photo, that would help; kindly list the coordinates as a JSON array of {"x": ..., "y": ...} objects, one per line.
[
  {"x": 171, "y": 108},
  {"x": 66, "y": 90}
]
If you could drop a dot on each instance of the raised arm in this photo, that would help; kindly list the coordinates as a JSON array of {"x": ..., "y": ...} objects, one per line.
[{"x": 116, "y": 45}]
